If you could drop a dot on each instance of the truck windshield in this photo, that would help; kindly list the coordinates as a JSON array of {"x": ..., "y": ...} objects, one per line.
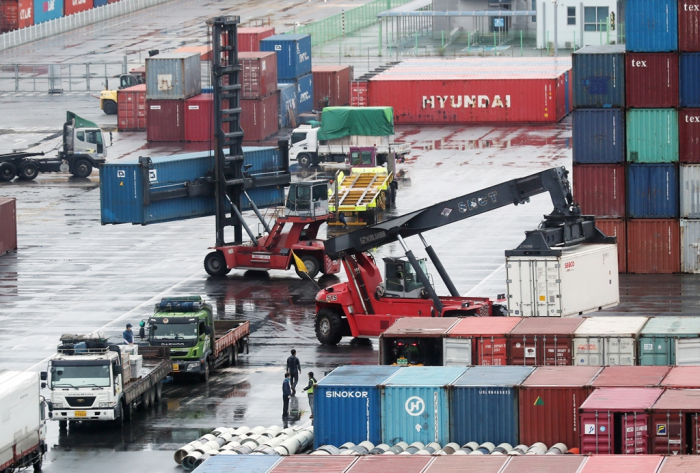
[
  {"x": 297, "y": 137},
  {"x": 186, "y": 331},
  {"x": 76, "y": 376}
]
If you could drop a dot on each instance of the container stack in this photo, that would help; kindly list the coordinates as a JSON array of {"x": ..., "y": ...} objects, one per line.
[
  {"x": 249, "y": 38},
  {"x": 131, "y": 108},
  {"x": 293, "y": 66},
  {"x": 332, "y": 86},
  {"x": 259, "y": 94}
]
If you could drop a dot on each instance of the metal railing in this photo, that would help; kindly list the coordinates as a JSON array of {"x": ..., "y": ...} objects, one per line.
[{"x": 57, "y": 78}]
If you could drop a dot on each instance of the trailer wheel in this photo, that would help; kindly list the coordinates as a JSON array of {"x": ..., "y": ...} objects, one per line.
[
  {"x": 305, "y": 160},
  {"x": 204, "y": 377},
  {"x": 38, "y": 461},
  {"x": 109, "y": 107},
  {"x": 229, "y": 357},
  {"x": 146, "y": 400},
  {"x": 158, "y": 390},
  {"x": 152, "y": 396},
  {"x": 215, "y": 264},
  {"x": 312, "y": 267},
  {"x": 82, "y": 168},
  {"x": 329, "y": 326},
  {"x": 389, "y": 201},
  {"x": 7, "y": 171},
  {"x": 127, "y": 411},
  {"x": 234, "y": 350},
  {"x": 28, "y": 171}
]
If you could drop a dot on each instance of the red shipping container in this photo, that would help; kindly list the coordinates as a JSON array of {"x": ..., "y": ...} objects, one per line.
[
  {"x": 682, "y": 377},
  {"x": 258, "y": 74},
  {"x": 71, "y": 7},
  {"x": 622, "y": 464},
  {"x": 615, "y": 420},
  {"x": 332, "y": 82},
  {"x": 488, "y": 336},
  {"x": 538, "y": 464},
  {"x": 249, "y": 38},
  {"x": 651, "y": 80},
  {"x": 630, "y": 376},
  {"x": 204, "y": 51},
  {"x": 653, "y": 246},
  {"x": 313, "y": 464},
  {"x": 675, "y": 426},
  {"x": 166, "y": 120},
  {"x": 26, "y": 13},
  {"x": 386, "y": 463},
  {"x": 131, "y": 108},
  {"x": 9, "y": 15},
  {"x": 689, "y": 135},
  {"x": 358, "y": 94},
  {"x": 680, "y": 464},
  {"x": 600, "y": 189},
  {"x": 199, "y": 118},
  {"x": 542, "y": 341},
  {"x": 259, "y": 117},
  {"x": 617, "y": 228},
  {"x": 689, "y": 25},
  {"x": 549, "y": 400},
  {"x": 112, "y": 1},
  {"x": 458, "y": 463},
  {"x": 8, "y": 225}
]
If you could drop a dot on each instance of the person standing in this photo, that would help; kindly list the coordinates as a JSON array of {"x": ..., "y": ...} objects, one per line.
[
  {"x": 128, "y": 335},
  {"x": 294, "y": 370},
  {"x": 310, "y": 391},
  {"x": 286, "y": 394}
]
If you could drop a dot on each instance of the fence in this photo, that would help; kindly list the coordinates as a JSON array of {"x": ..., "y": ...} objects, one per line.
[{"x": 57, "y": 78}]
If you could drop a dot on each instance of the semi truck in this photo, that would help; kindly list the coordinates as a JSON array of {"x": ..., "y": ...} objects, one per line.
[
  {"x": 23, "y": 425},
  {"x": 198, "y": 344}
]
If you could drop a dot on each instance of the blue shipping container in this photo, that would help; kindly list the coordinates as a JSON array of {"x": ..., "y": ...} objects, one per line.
[
  {"x": 651, "y": 25},
  {"x": 305, "y": 93},
  {"x": 293, "y": 54},
  {"x": 652, "y": 191},
  {"x": 599, "y": 76},
  {"x": 45, "y": 10},
  {"x": 99, "y": 3},
  {"x": 599, "y": 136},
  {"x": 347, "y": 405},
  {"x": 689, "y": 76},
  {"x": 288, "y": 104},
  {"x": 239, "y": 464},
  {"x": 484, "y": 405},
  {"x": 415, "y": 405}
]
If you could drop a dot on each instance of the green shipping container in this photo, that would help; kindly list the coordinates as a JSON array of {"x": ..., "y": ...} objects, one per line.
[
  {"x": 657, "y": 340},
  {"x": 652, "y": 135}
]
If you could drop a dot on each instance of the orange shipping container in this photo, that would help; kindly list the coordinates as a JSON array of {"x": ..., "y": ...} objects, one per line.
[
  {"x": 653, "y": 246},
  {"x": 71, "y": 7}
]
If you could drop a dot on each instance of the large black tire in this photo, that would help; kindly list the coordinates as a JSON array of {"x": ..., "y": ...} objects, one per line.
[
  {"x": 329, "y": 326},
  {"x": 28, "y": 171},
  {"x": 215, "y": 264},
  {"x": 229, "y": 357},
  {"x": 146, "y": 400},
  {"x": 158, "y": 390},
  {"x": 38, "y": 461},
  {"x": 109, "y": 107},
  {"x": 119, "y": 421},
  {"x": 8, "y": 171},
  {"x": 312, "y": 267},
  {"x": 305, "y": 160},
  {"x": 63, "y": 424},
  {"x": 82, "y": 168},
  {"x": 152, "y": 396},
  {"x": 127, "y": 411},
  {"x": 204, "y": 377},
  {"x": 390, "y": 198}
]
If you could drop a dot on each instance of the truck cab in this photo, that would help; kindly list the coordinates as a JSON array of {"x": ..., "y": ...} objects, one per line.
[
  {"x": 400, "y": 279},
  {"x": 83, "y": 147},
  {"x": 304, "y": 145},
  {"x": 307, "y": 199}
]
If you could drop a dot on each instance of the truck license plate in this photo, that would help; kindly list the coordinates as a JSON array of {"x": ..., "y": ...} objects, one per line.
[
  {"x": 176, "y": 367},
  {"x": 80, "y": 413}
]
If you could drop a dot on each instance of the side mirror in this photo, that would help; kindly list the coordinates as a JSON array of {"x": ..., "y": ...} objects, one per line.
[
  {"x": 44, "y": 375},
  {"x": 43, "y": 385},
  {"x": 207, "y": 330},
  {"x": 117, "y": 369}
]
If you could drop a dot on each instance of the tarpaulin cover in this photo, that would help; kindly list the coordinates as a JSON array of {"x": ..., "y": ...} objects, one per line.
[
  {"x": 79, "y": 122},
  {"x": 338, "y": 122}
]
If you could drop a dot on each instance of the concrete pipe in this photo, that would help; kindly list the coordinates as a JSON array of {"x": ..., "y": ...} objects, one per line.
[
  {"x": 253, "y": 441},
  {"x": 433, "y": 447},
  {"x": 219, "y": 430},
  {"x": 280, "y": 451},
  {"x": 399, "y": 448},
  {"x": 471, "y": 446},
  {"x": 188, "y": 461},
  {"x": 319, "y": 452},
  {"x": 450, "y": 448},
  {"x": 201, "y": 460},
  {"x": 502, "y": 449},
  {"x": 275, "y": 442},
  {"x": 243, "y": 450},
  {"x": 557, "y": 449},
  {"x": 379, "y": 449},
  {"x": 291, "y": 445},
  {"x": 186, "y": 450},
  {"x": 273, "y": 431},
  {"x": 331, "y": 449},
  {"x": 226, "y": 436},
  {"x": 519, "y": 450},
  {"x": 406, "y": 453},
  {"x": 306, "y": 439},
  {"x": 206, "y": 438},
  {"x": 537, "y": 449},
  {"x": 349, "y": 452},
  {"x": 461, "y": 452},
  {"x": 346, "y": 445},
  {"x": 289, "y": 432},
  {"x": 240, "y": 431},
  {"x": 265, "y": 451},
  {"x": 208, "y": 447},
  {"x": 227, "y": 452},
  {"x": 486, "y": 448},
  {"x": 231, "y": 445},
  {"x": 258, "y": 430},
  {"x": 414, "y": 447},
  {"x": 423, "y": 452},
  {"x": 388, "y": 452}
]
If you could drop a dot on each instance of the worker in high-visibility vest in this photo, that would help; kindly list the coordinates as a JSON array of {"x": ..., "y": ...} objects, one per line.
[{"x": 310, "y": 391}]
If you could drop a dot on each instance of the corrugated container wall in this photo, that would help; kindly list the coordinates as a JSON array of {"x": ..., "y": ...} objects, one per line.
[
  {"x": 8, "y": 225},
  {"x": 690, "y": 191},
  {"x": 305, "y": 93},
  {"x": 293, "y": 54},
  {"x": 249, "y": 38},
  {"x": 652, "y": 135},
  {"x": 258, "y": 74},
  {"x": 172, "y": 76},
  {"x": 313, "y": 464},
  {"x": 488, "y": 338},
  {"x": 689, "y": 25},
  {"x": 289, "y": 112},
  {"x": 475, "y": 464},
  {"x": 653, "y": 246},
  {"x": 689, "y": 73},
  {"x": 622, "y": 464},
  {"x": 689, "y": 134},
  {"x": 544, "y": 464},
  {"x": 259, "y": 117},
  {"x": 630, "y": 376},
  {"x": 542, "y": 341},
  {"x": 26, "y": 13},
  {"x": 199, "y": 118},
  {"x": 46, "y": 10},
  {"x": 166, "y": 120},
  {"x": 598, "y": 136},
  {"x": 657, "y": 340},
  {"x": 71, "y": 7},
  {"x": 652, "y": 191},
  {"x": 131, "y": 108},
  {"x": 359, "y": 94},
  {"x": 9, "y": 15},
  {"x": 651, "y": 26},
  {"x": 616, "y": 228},
  {"x": 332, "y": 82},
  {"x": 402, "y": 463},
  {"x": 657, "y": 72},
  {"x": 607, "y": 341},
  {"x": 690, "y": 246},
  {"x": 347, "y": 403},
  {"x": 600, "y": 189},
  {"x": 675, "y": 428},
  {"x": 599, "y": 80},
  {"x": 239, "y": 463}
]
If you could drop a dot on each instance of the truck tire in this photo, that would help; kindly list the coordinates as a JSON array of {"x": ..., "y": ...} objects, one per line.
[
  {"x": 146, "y": 400},
  {"x": 152, "y": 396},
  {"x": 229, "y": 357},
  {"x": 82, "y": 168},
  {"x": 158, "y": 390},
  {"x": 389, "y": 201},
  {"x": 215, "y": 264},
  {"x": 204, "y": 377},
  {"x": 329, "y": 326},
  {"x": 28, "y": 171},
  {"x": 7, "y": 171},
  {"x": 38, "y": 461},
  {"x": 63, "y": 425},
  {"x": 235, "y": 355},
  {"x": 305, "y": 160},
  {"x": 127, "y": 411},
  {"x": 312, "y": 267},
  {"x": 109, "y": 107}
]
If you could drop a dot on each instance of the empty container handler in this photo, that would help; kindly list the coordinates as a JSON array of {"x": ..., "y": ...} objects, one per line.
[
  {"x": 289, "y": 112},
  {"x": 689, "y": 135},
  {"x": 470, "y": 464},
  {"x": 415, "y": 340},
  {"x": 689, "y": 25},
  {"x": 258, "y": 74},
  {"x": 8, "y": 225},
  {"x": 680, "y": 464},
  {"x": 416, "y": 406},
  {"x": 616, "y": 421},
  {"x": 71, "y": 7},
  {"x": 651, "y": 26},
  {"x": 584, "y": 278},
  {"x": 333, "y": 83},
  {"x": 675, "y": 423},
  {"x": 347, "y": 404},
  {"x": 199, "y": 118},
  {"x": 600, "y": 189},
  {"x": 687, "y": 377},
  {"x": 131, "y": 108},
  {"x": 653, "y": 246},
  {"x": 690, "y": 251},
  {"x": 652, "y": 135},
  {"x": 622, "y": 464},
  {"x": 669, "y": 341},
  {"x": 478, "y": 341},
  {"x": 617, "y": 228},
  {"x": 383, "y": 464},
  {"x": 689, "y": 73},
  {"x": 549, "y": 400},
  {"x": 259, "y": 118},
  {"x": 651, "y": 80},
  {"x": 203, "y": 51},
  {"x": 598, "y": 136},
  {"x": 249, "y": 38},
  {"x": 313, "y": 464},
  {"x": 165, "y": 120},
  {"x": 545, "y": 464},
  {"x": 652, "y": 191},
  {"x": 690, "y": 190},
  {"x": 173, "y": 76},
  {"x": 630, "y": 377},
  {"x": 602, "y": 341},
  {"x": 540, "y": 341},
  {"x": 484, "y": 405},
  {"x": 241, "y": 463},
  {"x": 46, "y": 10},
  {"x": 305, "y": 93},
  {"x": 599, "y": 76},
  {"x": 293, "y": 54}
]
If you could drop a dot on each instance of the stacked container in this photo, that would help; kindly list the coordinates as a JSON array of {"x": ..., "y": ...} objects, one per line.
[
  {"x": 249, "y": 38},
  {"x": 669, "y": 341},
  {"x": 675, "y": 426},
  {"x": 289, "y": 111},
  {"x": 479, "y": 341},
  {"x": 331, "y": 83},
  {"x": 293, "y": 65},
  {"x": 603, "y": 341},
  {"x": 624, "y": 377},
  {"x": 259, "y": 95},
  {"x": 131, "y": 108},
  {"x": 542, "y": 341}
]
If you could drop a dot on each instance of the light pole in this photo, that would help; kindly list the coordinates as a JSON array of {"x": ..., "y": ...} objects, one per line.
[{"x": 556, "y": 24}]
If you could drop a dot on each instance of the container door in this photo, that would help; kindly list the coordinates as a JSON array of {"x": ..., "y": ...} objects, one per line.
[
  {"x": 519, "y": 285},
  {"x": 588, "y": 351},
  {"x": 635, "y": 434},
  {"x": 695, "y": 434},
  {"x": 491, "y": 351},
  {"x": 457, "y": 351},
  {"x": 619, "y": 351},
  {"x": 525, "y": 351},
  {"x": 655, "y": 351},
  {"x": 687, "y": 351},
  {"x": 597, "y": 434},
  {"x": 667, "y": 433},
  {"x": 556, "y": 351}
]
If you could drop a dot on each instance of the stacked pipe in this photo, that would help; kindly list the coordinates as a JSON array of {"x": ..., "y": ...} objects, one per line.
[{"x": 434, "y": 448}]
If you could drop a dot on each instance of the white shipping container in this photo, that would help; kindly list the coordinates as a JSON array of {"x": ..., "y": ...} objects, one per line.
[
  {"x": 20, "y": 415},
  {"x": 690, "y": 190},
  {"x": 607, "y": 341},
  {"x": 690, "y": 246},
  {"x": 457, "y": 352},
  {"x": 687, "y": 351},
  {"x": 583, "y": 279}
]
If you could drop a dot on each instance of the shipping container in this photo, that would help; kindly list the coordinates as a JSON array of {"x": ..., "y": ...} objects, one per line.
[
  {"x": 622, "y": 464},
  {"x": 8, "y": 225},
  {"x": 293, "y": 54},
  {"x": 71, "y": 7},
  {"x": 131, "y": 108},
  {"x": 652, "y": 191},
  {"x": 651, "y": 80},
  {"x": 544, "y": 464},
  {"x": 173, "y": 76},
  {"x": 199, "y": 118},
  {"x": 478, "y": 341},
  {"x": 651, "y": 26},
  {"x": 305, "y": 93},
  {"x": 263, "y": 159},
  {"x": 289, "y": 111},
  {"x": 468, "y": 90},
  {"x": 652, "y": 135},
  {"x": 661, "y": 336},
  {"x": 689, "y": 135},
  {"x": 675, "y": 426},
  {"x": 687, "y": 377},
  {"x": 689, "y": 73},
  {"x": 99, "y": 3},
  {"x": 359, "y": 93},
  {"x": 615, "y": 420},
  {"x": 600, "y": 189},
  {"x": 680, "y": 464},
  {"x": 549, "y": 401},
  {"x": 466, "y": 464},
  {"x": 46, "y": 10},
  {"x": 690, "y": 190},
  {"x": 258, "y": 74},
  {"x": 618, "y": 229},
  {"x": 9, "y": 15},
  {"x": 583, "y": 279},
  {"x": 25, "y": 9},
  {"x": 259, "y": 117},
  {"x": 689, "y": 25},
  {"x": 690, "y": 249},
  {"x": 347, "y": 404},
  {"x": 415, "y": 340},
  {"x": 598, "y": 136},
  {"x": 484, "y": 405},
  {"x": 332, "y": 83},
  {"x": 599, "y": 76},
  {"x": 238, "y": 463},
  {"x": 603, "y": 341},
  {"x": 313, "y": 464},
  {"x": 415, "y": 404},
  {"x": 540, "y": 341},
  {"x": 165, "y": 120},
  {"x": 249, "y": 38},
  {"x": 394, "y": 463},
  {"x": 203, "y": 51},
  {"x": 630, "y": 377},
  {"x": 653, "y": 246}
]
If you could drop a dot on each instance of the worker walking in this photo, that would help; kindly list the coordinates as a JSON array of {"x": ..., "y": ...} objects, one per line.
[
  {"x": 294, "y": 370},
  {"x": 286, "y": 394},
  {"x": 128, "y": 335},
  {"x": 310, "y": 391}
]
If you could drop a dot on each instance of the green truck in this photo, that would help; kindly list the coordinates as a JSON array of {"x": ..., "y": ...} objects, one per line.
[{"x": 198, "y": 343}]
